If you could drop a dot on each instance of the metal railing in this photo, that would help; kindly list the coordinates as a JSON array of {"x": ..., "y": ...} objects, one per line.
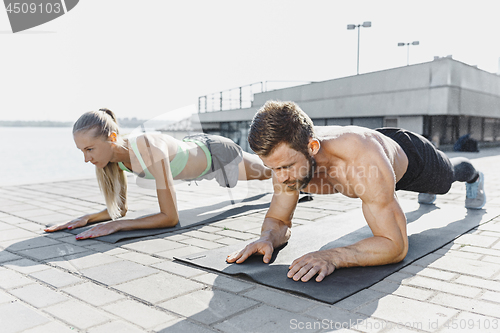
[{"x": 240, "y": 97}]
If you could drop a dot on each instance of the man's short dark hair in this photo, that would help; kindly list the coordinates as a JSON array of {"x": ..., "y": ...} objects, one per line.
[{"x": 278, "y": 122}]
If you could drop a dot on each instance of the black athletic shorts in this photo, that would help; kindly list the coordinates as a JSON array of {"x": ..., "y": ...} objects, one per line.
[{"x": 429, "y": 170}]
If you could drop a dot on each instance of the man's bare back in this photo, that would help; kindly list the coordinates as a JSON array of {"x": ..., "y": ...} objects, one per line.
[{"x": 340, "y": 159}]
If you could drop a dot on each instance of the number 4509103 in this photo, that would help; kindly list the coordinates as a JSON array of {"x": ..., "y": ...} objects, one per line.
[{"x": 24, "y": 7}]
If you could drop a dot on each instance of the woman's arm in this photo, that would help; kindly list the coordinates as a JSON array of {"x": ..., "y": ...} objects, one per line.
[{"x": 81, "y": 221}]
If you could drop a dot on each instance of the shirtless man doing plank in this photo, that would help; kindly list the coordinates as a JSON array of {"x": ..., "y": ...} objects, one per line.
[{"x": 359, "y": 163}]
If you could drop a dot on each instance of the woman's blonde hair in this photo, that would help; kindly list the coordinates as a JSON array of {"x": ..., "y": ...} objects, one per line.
[{"x": 112, "y": 180}]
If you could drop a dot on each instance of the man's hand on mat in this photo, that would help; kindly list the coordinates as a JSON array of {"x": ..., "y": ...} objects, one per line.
[
  {"x": 305, "y": 267},
  {"x": 76, "y": 223},
  {"x": 260, "y": 246},
  {"x": 102, "y": 229}
]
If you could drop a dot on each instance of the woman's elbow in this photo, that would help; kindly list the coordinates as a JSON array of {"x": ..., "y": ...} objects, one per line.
[
  {"x": 171, "y": 223},
  {"x": 170, "y": 220}
]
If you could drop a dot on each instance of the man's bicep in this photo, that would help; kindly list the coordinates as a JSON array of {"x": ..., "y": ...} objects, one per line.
[
  {"x": 388, "y": 221},
  {"x": 381, "y": 208},
  {"x": 383, "y": 219}
]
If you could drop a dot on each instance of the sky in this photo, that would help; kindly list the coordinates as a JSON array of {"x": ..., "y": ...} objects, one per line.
[{"x": 153, "y": 58}]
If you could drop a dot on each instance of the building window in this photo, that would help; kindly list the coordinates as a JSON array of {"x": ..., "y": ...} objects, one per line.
[
  {"x": 489, "y": 129},
  {"x": 339, "y": 121},
  {"x": 236, "y": 131},
  {"x": 373, "y": 122},
  {"x": 476, "y": 128},
  {"x": 447, "y": 129},
  {"x": 496, "y": 130},
  {"x": 441, "y": 130},
  {"x": 391, "y": 122},
  {"x": 451, "y": 129},
  {"x": 319, "y": 122},
  {"x": 463, "y": 125}
]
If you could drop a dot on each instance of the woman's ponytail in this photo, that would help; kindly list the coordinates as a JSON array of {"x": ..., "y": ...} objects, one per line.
[
  {"x": 113, "y": 184},
  {"x": 110, "y": 113}
]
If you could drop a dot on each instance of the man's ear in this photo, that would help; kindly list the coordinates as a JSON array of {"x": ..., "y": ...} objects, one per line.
[
  {"x": 112, "y": 137},
  {"x": 313, "y": 146}
]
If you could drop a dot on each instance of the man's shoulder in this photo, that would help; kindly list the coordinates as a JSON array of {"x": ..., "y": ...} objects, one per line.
[
  {"x": 351, "y": 138},
  {"x": 335, "y": 131}
]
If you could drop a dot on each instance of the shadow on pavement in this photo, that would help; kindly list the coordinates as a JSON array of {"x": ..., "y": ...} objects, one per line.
[{"x": 352, "y": 312}]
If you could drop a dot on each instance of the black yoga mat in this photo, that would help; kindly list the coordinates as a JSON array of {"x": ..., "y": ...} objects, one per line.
[
  {"x": 190, "y": 217},
  {"x": 429, "y": 228}
]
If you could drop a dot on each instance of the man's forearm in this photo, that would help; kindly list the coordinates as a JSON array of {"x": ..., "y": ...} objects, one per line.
[{"x": 371, "y": 251}]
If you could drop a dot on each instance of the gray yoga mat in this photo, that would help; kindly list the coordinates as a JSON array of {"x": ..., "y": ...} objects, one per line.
[
  {"x": 189, "y": 217},
  {"x": 429, "y": 228}
]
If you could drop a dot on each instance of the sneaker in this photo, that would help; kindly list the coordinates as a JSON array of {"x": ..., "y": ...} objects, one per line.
[
  {"x": 475, "y": 198},
  {"x": 426, "y": 198}
]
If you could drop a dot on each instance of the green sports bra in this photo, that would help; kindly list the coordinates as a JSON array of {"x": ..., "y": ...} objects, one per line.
[{"x": 176, "y": 165}]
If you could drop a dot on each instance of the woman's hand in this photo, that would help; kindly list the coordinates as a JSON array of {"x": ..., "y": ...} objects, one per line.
[
  {"x": 102, "y": 229},
  {"x": 76, "y": 223}
]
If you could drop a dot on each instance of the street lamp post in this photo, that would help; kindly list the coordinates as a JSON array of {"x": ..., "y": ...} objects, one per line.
[
  {"x": 366, "y": 24},
  {"x": 408, "y": 50}
]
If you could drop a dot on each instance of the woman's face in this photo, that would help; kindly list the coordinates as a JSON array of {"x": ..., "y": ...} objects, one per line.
[{"x": 96, "y": 150}]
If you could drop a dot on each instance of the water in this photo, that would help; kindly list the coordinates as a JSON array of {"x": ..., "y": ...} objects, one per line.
[{"x": 31, "y": 155}]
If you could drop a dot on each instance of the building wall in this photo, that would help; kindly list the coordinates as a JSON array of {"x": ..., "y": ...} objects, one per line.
[
  {"x": 436, "y": 99},
  {"x": 440, "y": 87},
  {"x": 412, "y": 123}
]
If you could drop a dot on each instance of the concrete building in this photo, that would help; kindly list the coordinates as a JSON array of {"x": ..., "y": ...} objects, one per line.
[{"x": 442, "y": 99}]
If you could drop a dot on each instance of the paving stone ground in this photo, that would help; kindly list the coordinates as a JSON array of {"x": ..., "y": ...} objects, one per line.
[{"x": 53, "y": 283}]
